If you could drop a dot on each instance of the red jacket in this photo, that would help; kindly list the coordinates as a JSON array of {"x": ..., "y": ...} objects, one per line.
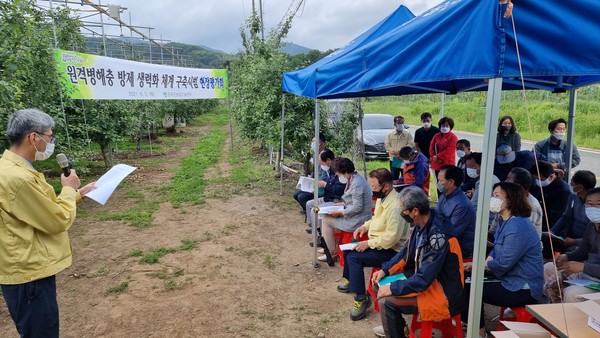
[{"x": 443, "y": 146}]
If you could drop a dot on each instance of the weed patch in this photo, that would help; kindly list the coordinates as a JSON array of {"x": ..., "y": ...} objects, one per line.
[
  {"x": 155, "y": 255},
  {"x": 119, "y": 288}
]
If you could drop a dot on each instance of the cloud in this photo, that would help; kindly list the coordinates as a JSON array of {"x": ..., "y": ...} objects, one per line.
[{"x": 320, "y": 24}]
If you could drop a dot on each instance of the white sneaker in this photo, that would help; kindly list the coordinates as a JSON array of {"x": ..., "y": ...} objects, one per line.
[
  {"x": 378, "y": 331},
  {"x": 321, "y": 251},
  {"x": 322, "y": 258}
]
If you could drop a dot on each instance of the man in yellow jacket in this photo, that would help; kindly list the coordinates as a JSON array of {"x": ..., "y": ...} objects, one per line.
[{"x": 34, "y": 244}]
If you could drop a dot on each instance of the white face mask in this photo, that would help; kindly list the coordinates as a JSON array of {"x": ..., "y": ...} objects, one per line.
[
  {"x": 558, "y": 136},
  {"x": 445, "y": 130},
  {"x": 343, "y": 179},
  {"x": 543, "y": 183},
  {"x": 426, "y": 125},
  {"x": 43, "y": 155},
  {"x": 593, "y": 214},
  {"x": 495, "y": 205},
  {"x": 460, "y": 153},
  {"x": 325, "y": 167},
  {"x": 400, "y": 128},
  {"x": 472, "y": 173}
]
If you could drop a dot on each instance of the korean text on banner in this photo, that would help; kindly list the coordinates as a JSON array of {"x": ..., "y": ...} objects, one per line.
[{"x": 85, "y": 76}]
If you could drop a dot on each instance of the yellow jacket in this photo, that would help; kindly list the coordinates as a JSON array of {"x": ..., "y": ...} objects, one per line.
[
  {"x": 34, "y": 243},
  {"x": 387, "y": 229}
]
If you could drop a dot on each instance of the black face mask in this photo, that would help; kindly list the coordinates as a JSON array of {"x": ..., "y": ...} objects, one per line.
[
  {"x": 407, "y": 218},
  {"x": 507, "y": 128},
  {"x": 379, "y": 194}
]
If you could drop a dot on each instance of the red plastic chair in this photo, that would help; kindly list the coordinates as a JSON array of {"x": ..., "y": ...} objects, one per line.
[
  {"x": 426, "y": 327},
  {"x": 371, "y": 291},
  {"x": 522, "y": 316}
]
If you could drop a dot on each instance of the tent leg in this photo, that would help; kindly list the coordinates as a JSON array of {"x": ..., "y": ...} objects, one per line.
[
  {"x": 230, "y": 125},
  {"x": 280, "y": 163},
  {"x": 362, "y": 143},
  {"x": 570, "y": 133},
  {"x": 483, "y": 209},
  {"x": 316, "y": 177}
]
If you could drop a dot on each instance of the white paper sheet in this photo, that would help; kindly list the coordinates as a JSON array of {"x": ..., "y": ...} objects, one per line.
[
  {"x": 348, "y": 246},
  {"x": 327, "y": 210},
  {"x": 306, "y": 184},
  {"x": 109, "y": 182}
]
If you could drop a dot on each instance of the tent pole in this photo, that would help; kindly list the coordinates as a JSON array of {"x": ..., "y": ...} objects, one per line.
[
  {"x": 281, "y": 156},
  {"x": 570, "y": 133},
  {"x": 360, "y": 117},
  {"x": 316, "y": 186},
  {"x": 230, "y": 125},
  {"x": 442, "y": 105},
  {"x": 485, "y": 192}
]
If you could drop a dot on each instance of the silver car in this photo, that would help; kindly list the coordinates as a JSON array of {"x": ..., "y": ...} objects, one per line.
[{"x": 375, "y": 127}]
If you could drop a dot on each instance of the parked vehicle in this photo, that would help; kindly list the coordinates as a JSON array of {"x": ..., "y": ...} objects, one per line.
[{"x": 375, "y": 127}]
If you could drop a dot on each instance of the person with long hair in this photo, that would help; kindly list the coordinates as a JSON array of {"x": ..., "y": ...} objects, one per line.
[
  {"x": 507, "y": 133},
  {"x": 515, "y": 262}
]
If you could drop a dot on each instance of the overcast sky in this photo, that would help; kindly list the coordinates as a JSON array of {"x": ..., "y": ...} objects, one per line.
[{"x": 319, "y": 24}]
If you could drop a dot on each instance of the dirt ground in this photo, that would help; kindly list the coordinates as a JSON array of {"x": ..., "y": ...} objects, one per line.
[{"x": 250, "y": 275}]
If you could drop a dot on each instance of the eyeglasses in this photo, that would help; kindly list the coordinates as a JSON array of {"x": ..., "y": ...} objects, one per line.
[
  {"x": 51, "y": 136},
  {"x": 590, "y": 205}
]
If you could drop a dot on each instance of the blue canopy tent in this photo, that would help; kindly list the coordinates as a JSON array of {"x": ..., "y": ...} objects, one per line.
[
  {"x": 466, "y": 45},
  {"x": 304, "y": 80}
]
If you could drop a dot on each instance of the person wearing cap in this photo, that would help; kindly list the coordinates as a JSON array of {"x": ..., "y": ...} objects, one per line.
[
  {"x": 416, "y": 169},
  {"x": 555, "y": 147},
  {"x": 552, "y": 192},
  {"x": 396, "y": 139},
  {"x": 507, "y": 158}
]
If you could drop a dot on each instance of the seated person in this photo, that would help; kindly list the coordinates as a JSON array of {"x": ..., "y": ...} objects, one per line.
[
  {"x": 523, "y": 178},
  {"x": 555, "y": 146},
  {"x": 516, "y": 258},
  {"x": 416, "y": 169},
  {"x": 387, "y": 233},
  {"x": 583, "y": 262},
  {"x": 573, "y": 223},
  {"x": 473, "y": 162},
  {"x": 551, "y": 191},
  {"x": 463, "y": 150},
  {"x": 507, "y": 158},
  {"x": 333, "y": 189},
  {"x": 431, "y": 260},
  {"x": 304, "y": 196},
  {"x": 454, "y": 205},
  {"x": 357, "y": 202}
]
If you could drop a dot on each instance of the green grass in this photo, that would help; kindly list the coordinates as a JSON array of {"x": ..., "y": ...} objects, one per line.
[
  {"x": 468, "y": 111},
  {"x": 103, "y": 271},
  {"x": 136, "y": 252},
  {"x": 188, "y": 184},
  {"x": 188, "y": 244},
  {"x": 155, "y": 255},
  {"x": 119, "y": 288},
  {"x": 140, "y": 215}
]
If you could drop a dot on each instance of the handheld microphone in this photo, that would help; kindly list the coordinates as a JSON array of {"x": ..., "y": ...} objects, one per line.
[{"x": 63, "y": 162}]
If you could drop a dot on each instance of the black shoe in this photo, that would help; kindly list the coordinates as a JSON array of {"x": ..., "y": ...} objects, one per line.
[
  {"x": 360, "y": 307},
  {"x": 309, "y": 230}
]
